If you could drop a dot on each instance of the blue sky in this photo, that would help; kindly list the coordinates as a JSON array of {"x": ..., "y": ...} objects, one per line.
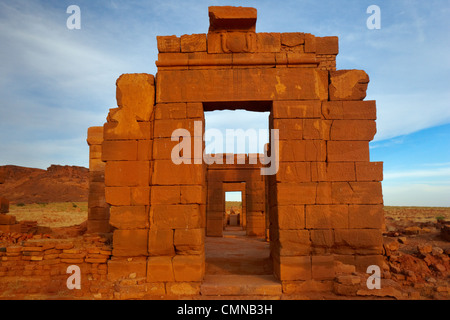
[{"x": 56, "y": 82}]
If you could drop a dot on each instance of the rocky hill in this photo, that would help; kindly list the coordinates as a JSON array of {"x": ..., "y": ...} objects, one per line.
[{"x": 56, "y": 184}]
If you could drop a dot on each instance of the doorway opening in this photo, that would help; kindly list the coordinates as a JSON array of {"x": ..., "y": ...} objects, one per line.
[
  {"x": 233, "y": 211},
  {"x": 236, "y": 215}
]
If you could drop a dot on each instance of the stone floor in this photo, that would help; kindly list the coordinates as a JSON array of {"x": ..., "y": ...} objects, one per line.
[{"x": 237, "y": 265}]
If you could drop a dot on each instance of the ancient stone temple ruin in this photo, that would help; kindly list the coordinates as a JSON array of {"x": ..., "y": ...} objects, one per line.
[{"x": 324, "y": 204}]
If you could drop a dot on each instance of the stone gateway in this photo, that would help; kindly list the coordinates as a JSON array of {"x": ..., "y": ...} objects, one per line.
[{"x": 323, "y": 207}]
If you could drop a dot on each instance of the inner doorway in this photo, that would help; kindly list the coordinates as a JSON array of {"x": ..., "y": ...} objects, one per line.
[{"x": 233, "y": 211}]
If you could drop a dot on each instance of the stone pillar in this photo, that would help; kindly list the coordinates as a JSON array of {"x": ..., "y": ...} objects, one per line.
[
  {"x": 126, "y": 152},
  {"x": 178, "y": 197},
  {"x": 98, "y": 214}
]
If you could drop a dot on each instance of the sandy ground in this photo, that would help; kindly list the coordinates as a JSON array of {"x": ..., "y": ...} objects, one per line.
[{"x": 53, "y": 215}]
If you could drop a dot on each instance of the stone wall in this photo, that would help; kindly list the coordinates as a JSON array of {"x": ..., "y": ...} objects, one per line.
[
  {"x": 8, "y": 223},
  {"x": 39, "y": 268},
  {"x": 324, "y": 205},
  {"x": 236, "y": 177},
  {"x": 98, "y": 215}
]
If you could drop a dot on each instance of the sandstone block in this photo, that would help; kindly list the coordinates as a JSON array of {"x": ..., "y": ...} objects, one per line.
[
  {"x": 352, "y": 130},
  {"x": 7, "y": 219},
  {"x": 189, "y": 241},
  {"x": 176, "y": 216},
  {"x": 362, "y": 241},
  {"x": 254, "y": 85},
  {"x": 140, "y": 196},
  {"x": 302, "y": 150},
  {"x": 160, "y": 269},
  {"x": 292, "y": 39},
  {"x": 95, "y": 151},
  {"x": 98, "y": 213},
  {"x": 316, "y": 129},
  {"x": 349, "y": 110},
  {"x": 95, "y": 136},
  {"x": 322, "y": 267},
  {"x": 162, "y": 148},
  {"x": 326, "y": 216},
  {"x": 130, "y": 243},
  {"x": 165, "y": 128},
  {"x": 183, "y": 288},
  {"x": 160, "y": 243},
  {"x": 193, "y": 43},
  {"x": 310, "y": 43},
  {"x": 96, "y": 165},
  {"x": 327, "y": 45},
  {"x": 145, "y": 150},
  {"x": 195, "y": 111},
  {"x": 341, "y": 151},
  {"x": 119, "y": 150},
  {"x": 135, "y": 95},
  {"x": 167, "y": 111},
  {"x": 333, "y": 171},
  {"x": 168, "y": 44},
  {"x": 4, "y": 205},
  {"x": 295, "y": 193},
  {"x": 98, "y": 226},
  {"x": 366, "y": 193},
  {"x": 296, "y": 109},
  {"x": 268, "y": 42},
  {"x": 349, "y": 193},
  {"x": 366, "y": 216},
  {"x": 118, "y": 196},
  {"x": 369, "y": 171},
  {"x": 129, "y": 217},
  {"x": 223, "y": 18},
  {"x": 192, "y": 195},
  {"x": 290, "y": 129},
  {"x": 168, "y": 173},
  {"x": 294, "y": 242},
  {"x": 348, "y": 85},
  {"x": 188, "y": 268},
  {"x": 165, "y": 195},
  {"x": 122, "y": 269},
  {"x": 127, "y": 128},
  {"x": 293, "y": 268},
  {"x": 294, "y": 172},
  {"x": 127, "y": 173},
  {"x": 321, "y": 240}
]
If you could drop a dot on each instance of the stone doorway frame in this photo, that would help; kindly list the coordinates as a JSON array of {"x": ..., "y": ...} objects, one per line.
[{"x": 237, "y": 187}]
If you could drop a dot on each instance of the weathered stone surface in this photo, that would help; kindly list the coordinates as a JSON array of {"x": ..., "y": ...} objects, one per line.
[
  {"x": 129, "y": 217},
  {"x": 168, "y": 44},
  {"x": 160, "y": 269},
  {"x": 188, "y": 268},
  {"x": 122, "y": 269},
  {"x": 130, "y": 243},
  {"x": 324, "y": 205},
  {"x": 193, "y": 43},
  {"x": 232, "y": 18},
  {"x": 135, "y": 96},
  {"x": 349, "y": 110},
  {"x": 161, "y": 242},
  {"x": 256, "y": 84},
  {"x": 348, "y": 85}
]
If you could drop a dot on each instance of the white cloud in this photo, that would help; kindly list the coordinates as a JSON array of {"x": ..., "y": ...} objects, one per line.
[
  {"x": 418, "y": 174},
  {"x": 424, "y": 195}
]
